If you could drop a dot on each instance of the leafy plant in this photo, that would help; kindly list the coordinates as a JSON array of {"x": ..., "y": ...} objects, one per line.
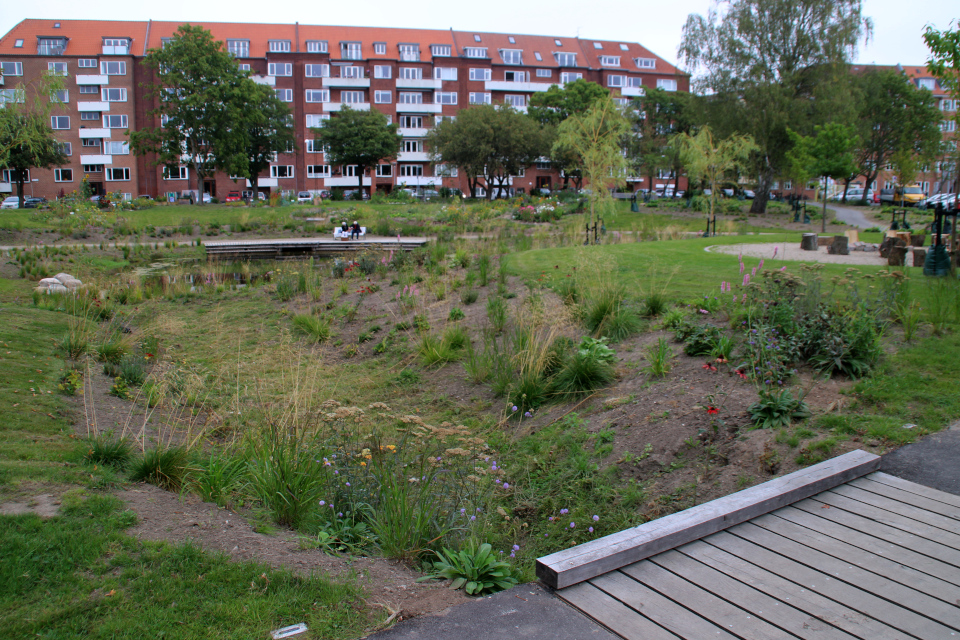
[
  {"x": 456, "y": 313},
  {"x": 702, "y": 341},
  {"x": 590, "y": 367},
  {"x": 658, "y": 358},
  {"x": 216, "y": 478},
  {"x": 469, "y": 296},
  {"x": 777, "y": 409},
  {"x": 476, "y": 571}
]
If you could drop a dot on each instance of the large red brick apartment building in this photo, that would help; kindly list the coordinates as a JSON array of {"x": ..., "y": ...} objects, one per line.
[{"x": 414, "y": 76}]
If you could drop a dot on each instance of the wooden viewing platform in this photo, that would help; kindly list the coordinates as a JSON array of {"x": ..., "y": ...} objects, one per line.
[
  {"x": 838, "y": 550},
  {"x": 286, "y": 248}
]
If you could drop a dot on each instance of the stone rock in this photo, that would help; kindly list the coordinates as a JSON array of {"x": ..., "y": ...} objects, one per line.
[
  {"x": 61, "y": 283},
  {"x": 888, "y": 244},
  {"x": 839, "y": 246}
]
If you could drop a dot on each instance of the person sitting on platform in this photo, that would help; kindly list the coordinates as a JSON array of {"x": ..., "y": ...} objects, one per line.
[
  {"x": 355, "y": 230},
  {"x": 344, "y": 229}
]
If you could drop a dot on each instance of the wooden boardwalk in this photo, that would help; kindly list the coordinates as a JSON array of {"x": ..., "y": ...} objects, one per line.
[
  {"x": 286, "y": 248},
  {"x": 875, "y": 557}
]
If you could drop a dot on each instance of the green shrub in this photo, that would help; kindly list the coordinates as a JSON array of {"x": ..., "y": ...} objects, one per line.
[
  {"x": 702, "y": 340},
  {"x": 287, "y": 476},
  {"x": 469, "y": 296},
  {"x": 456, "y": 313},
  {"x": 110, "y": 351},
  {"x": 132, "y": 369},
  {"x": 317, "y": 329},
  {"x": 777, "y": 408},
  {"x": 585, "y": 370},
  {"x": 476, "y": 571},
  {"x": 164, "y": 467},
  {"x": 72, "y": 345},
  {"x": 106, "y": 449},
  {"x": 654, "y": 304}
]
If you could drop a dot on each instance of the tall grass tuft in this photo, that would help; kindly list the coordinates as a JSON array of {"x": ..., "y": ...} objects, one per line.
[
  {"x": 408, "y": 518},
  {"x": 497, "y": 313},
  {"x": 106, "y": 449},
  {"x": 164, "y": 467},
  {"x": 218, "y": 477},
  {"x": 287, "y": 475},
  {"x": 110, "y": 351},
  {"x": 658, "y": 358},
  {"x": 316, "y": 329}
]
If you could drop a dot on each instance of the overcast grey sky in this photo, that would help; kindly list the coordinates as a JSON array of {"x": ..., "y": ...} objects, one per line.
[{"x": 898, "y": 25}]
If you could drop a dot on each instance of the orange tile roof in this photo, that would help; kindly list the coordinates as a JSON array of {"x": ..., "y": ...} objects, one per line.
[{"x": 84, "y": 37}]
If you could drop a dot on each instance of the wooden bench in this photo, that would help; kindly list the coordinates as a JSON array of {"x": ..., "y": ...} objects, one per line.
[{"x": 340, "y": 234}]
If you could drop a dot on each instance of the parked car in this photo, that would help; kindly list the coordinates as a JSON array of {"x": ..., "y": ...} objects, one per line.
[
  {"x": 908, "y": 195},
  {"x": 350, "y": 194},
  {"x": 304, "y": 196},
  {"x": 429, "y": 194},
  {"x": 325, "y": 194},
  {"x": 934, "y": 200},
  {"x": 886, "y": 195},
  {"x": 728, "y": 193},
  {"x": 33, "y": 203},
  {"x": 207, "y": 198},
  {"x": 12, "y": 202},
  {"x": 749, "y": 194},
  {"x": 232, "y": 196}
]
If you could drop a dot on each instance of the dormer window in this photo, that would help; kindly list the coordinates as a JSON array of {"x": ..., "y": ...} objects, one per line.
[
  {"x": 380, "y": 48},
  {"x": 475, "y": 52},
  {"x": 116, "y": 46},
  {"x": 646, "y": 63},
  {"x": 51, "y": 46},
  {"x": 279, "y": 46},
  {"x": 316, "y": 46},
  {"x": 350, "y": 51},
  {"x": 511, "y": 56},
  {"x": 565, "y": 59},
  {"x": 927, "y": 83},
  {"x": 238, "y": 48},
  {"x": 610, "y": 61},
  {"x": 441, "y": 50},
  {"x": 409, "y": 52}
]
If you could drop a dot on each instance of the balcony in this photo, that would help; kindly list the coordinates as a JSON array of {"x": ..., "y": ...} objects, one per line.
[
  {"x": 419, "y": 181},
  {"x": 632, "y": 92},
  {"x": 345, "y": 181},
  {"x": 264, "y": 182},
  {"x": 96, "y": 159},
  {"x": 116, "y": 50},
  {"x": 94, "y": 133},
  {"x": 94, "y": 79},
  {"x": 267, "y": 80},
  {"x": 93, "y": 106},
  {"x": 413, "y": 156},
  {"x": 336, "y": 106},
  {"x": 419, "y": 108},
  {"x": 413, "y": 133},
  {"x": 346, "y": 82},
  {"x": 515, "y": 87},
  {"x": 5, "y": 187},
  {"x": 419, "y": 83}
]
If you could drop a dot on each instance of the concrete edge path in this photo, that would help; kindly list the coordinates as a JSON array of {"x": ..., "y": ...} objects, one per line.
[{"x": 933, "y": 461}]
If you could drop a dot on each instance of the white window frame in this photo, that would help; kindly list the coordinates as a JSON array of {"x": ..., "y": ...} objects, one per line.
[
  {"x": 183, "y": 173},
  {"x": 88, "y": 89},
  {"x": 316, "y": 46},
  {"x": 351, "y": 50},
  {"x": 410, "y": 73},
  {"x": 61, "y": 96},
  {"x": 110, "y": 174},
  {"x": 316, "y": 70},
  {"x": 107, "y": 92},
  {"x": 410, "y": 170},
  {"x": 480, "y": 75},
  {"x": 667, "y": 84},
  {"x": 86, "y": 116},
  {"x": 119, "y": 46},
  {"x": 384, "y": 170},
  {"x": 930, "y": 84},
  {"x": 93, "y": 168},
  {"x": 351, "y": 71},
  {"x": 58, "y": 175},
  {"x": 412, "y": 146},
  {"x": 277, "y": 169},
  {"x": 57, "y": 68},
  {"x": 66, "y": 148},
  {"x": 409, "y": 97},
  {"x": 409, "y": 52},
  {"x": 441, "y": 50},
  {"x": 645, "y": 63},
  {"x": 313, "y": 173},
  {"x": 544, "y": 73},
  {"x": 280, "y": 69},
  {"x": 481, "y": 97},
  {"x": 518, "y": 76},
  {"x": 352, "y": 97},
  {"x": 515, "y": 99},
  {"x": 6, "y": 65},
  {"x": 316, "y": 95},
  {"x": 445, "y": 73},
  {"x": 316, "y": 120},
  {"x": 349, "y": 171},
  {"x": 86, "y": 143},
  {"x": 87, "y": 63},
  {"x": 445, "y": 97},
  {"x": 616, "y": 81},
  {"x": 411, "y": 122},
  {"x": 570, "y": 76},
  {"x": 511, "y": 56},
  {"x": 565, "y": 58},
  {"x": 284, "y": 95},
  {"x": 383, "y": 97},
  {"x": 57, "y": 121},
  {"x": 278, "y": 46},
  {"x": 383, "y": 71},
  {"x": 609, "y": 61},
  {"x": 380, "y": 48},
  {"x": 475, "y": 52},
  {"x": 109, "y": 117},
  {"x": 238, "y": 48},
  {"x": 110, "y": 146},
  {"x": 120, "y": 67}
]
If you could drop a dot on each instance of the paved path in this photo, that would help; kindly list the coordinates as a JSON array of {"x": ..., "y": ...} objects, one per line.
[
  {"x": 933, "y": 461},
  {"x": 852, "y": 216}
]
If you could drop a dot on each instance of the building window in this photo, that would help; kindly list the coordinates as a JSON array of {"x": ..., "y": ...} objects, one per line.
[
  {"x": 244, "y": 66},
  {"x": 59, "y": 122},
  {"x": 317, "y": 95},
  {"x": 66, "y": 148},
  {"x": 116, "y": 46},
  {"x": 176, "y": 173},
  {"x": 410, "y": 170},
  {"x": 442, "y": 171},
  {"x": 622, "y": 102},
  {"x": 279, "y": 46},
  {"x": 610, "y": 61},
  {"x": 565, "y": 59},
  {"x": 382, "y": 97},
  {"x": 113, "y": 68},
  {"x": 567, "y": 76},
  {"x": 511, "y": 56},
  {"x": 411, "y": 73},
  {"x": 316, "y": 46},
  {"x": 117, "y": 174},
  {"x": 633, "y": 81},
  {"x": 89, "y": 115},
  {"x": 93, "y": 168},
  {"x": 411, "y": 122},
  {"x": 238, "y": 48},
  {"x": 445, "y": 97},
  {"x": 383, "y": 71},
  {"x": 350, "y": 171},
  {"x": 646, "y": 63},
  {"x": 476, "y": 38},
  {"x": 481, "y": 98},
  {"x": 597, "y": 45},
  {"x": 281, "y": 171},
  {"x": 380, "y": 48},
  {"x": 90, "y": 142},
  {"x": 667, "y": 84},
  {"x": 88, "y": 88},
  {"x": 285, "y": 95},
  {"x": 412, "y": 146},
  {"x": 10, "y": 175},
  {"x": 475, "y": 52},
  {"x": 384, "y": 171},
  {"x": 11, "y": 96},
  {"x": 63, "y": 175},
  {"x": 445, "y": 73},
  {"x": 351, "y": 97},
  {"x": 516, "y": 76},
  {"x": 280, "y": 69},
  {"x": 544, "y": 73},
  {"x": 927, "y": 83},
  {"x": 115, "y": 121},
  {"x": 62, "y": 96},
  {"x": 948, "y": 126},
  {"x": 18, "y": 43},
  {"x": 11, "y": 68},
  {"x": 409, "y": 98},
  {"x": 52, "y": 46},
  {"x": 480, "y": 74},
  {"x": 351, "y": 72},
  {"x": 87, "y": 63},
  {"x": 114, "y": 94},
  {"x": 441, "y": 50},
  {"x": 313, "y": 146},
  {"x": 318, "y": 171},
  {"x": 57, "y": 68},
  {"x": 351, "y": 51},
  {"x": 315, "y": 120},
  {"x": 624, "y": 47},
  {"x": 116, "y": 148},
  {"x": 316, "y": 70},
  {"x": 409, "y": 52},
  {"x": 615, "y": 81},
  {"x": 543, "y": 165},
  {"x": 515, "y": 100}
]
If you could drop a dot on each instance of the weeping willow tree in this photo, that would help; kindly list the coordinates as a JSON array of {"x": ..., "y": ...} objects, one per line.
[
  {"x": 710, "y": 161},
  {"x": 596, "y": 139}
]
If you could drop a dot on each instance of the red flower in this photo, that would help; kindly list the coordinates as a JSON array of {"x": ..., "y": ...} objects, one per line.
[
  {"x": 742, "y": 375},
  {"x": 706, "y": 365},
  {"x": 712, "y": 410}
]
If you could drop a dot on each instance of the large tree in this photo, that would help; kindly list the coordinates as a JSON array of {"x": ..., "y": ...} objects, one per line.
[
  {"x": 770, "y": 65},
  {"x": 657, "y": 118},
  {"x": 35, "y": 146},
  {"x": 267, "y": 129},
  {"x": 895, "y": 118},
  {"x": 488, "y": 142},
  {"x": 361, "y": 138},
  {"x": 200, "y": 97},
  {"x": 827, "y": 155},
  {"x": 944, "y": 64}
]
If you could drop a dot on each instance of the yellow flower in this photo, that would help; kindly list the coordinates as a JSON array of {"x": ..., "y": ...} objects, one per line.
[{"x": 363, "y": 464}]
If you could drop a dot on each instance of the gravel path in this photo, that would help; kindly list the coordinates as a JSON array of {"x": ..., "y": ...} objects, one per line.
[
  {"x": 791, "y": 251},
  {"x": 852, "y": 216}
]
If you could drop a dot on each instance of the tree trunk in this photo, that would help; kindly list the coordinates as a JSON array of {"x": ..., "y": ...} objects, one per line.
[
  {"x": 360, "y": 169},
  {"x": 760, "y": 199},
  {"x": 20, "y": 173},
  {"x": 823, "y": 218}
]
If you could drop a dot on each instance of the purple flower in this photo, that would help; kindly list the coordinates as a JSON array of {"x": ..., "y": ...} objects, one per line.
[
  {"x": 513, "y": 555},
  {"x": 322, "y": 503},
  {"x": 528, "y": 414},
  {"x": 340, "y": 515},
  {"x": 516, "y": 547},
  {"x": 596, "y": 518},
  {"x": 564, "y": 511},
  {"x": 506, "y": 485},
  {"x": 473, "y": 518},
  {"x": 514, "y": 407},
  {"x": 590, "y": 529},
  {"x": 348, "y": 484},
  {"x": 573, "y": 524},
  {"x": 550, "y": 518},
  {"x": 463, "y": 511}
]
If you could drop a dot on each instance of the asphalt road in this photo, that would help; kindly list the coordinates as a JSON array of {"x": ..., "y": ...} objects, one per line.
[{"x": 852, "y": 216}]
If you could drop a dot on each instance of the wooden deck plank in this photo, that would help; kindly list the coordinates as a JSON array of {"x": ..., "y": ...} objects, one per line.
[
  {"x": 613, "y": 614},
  {"x": 908, "y": 497},
  {"x": 871, "y": 512},
  {"x": 913, "y": 487},
  {"x": 666, "y": 613},
  {"x": 708, "y": 606},
  {"x": 900, "y": 508},
  {"x": 891, "y": 568},
  {"x": 727, "y": 590},
  {"x": 896, "y": 552},
  {"x": 810, "y": 602},
  {"x": 865, "y": 580},
  {"x": 602, "y": 555},
  {"x": 889, "y": 612}
]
